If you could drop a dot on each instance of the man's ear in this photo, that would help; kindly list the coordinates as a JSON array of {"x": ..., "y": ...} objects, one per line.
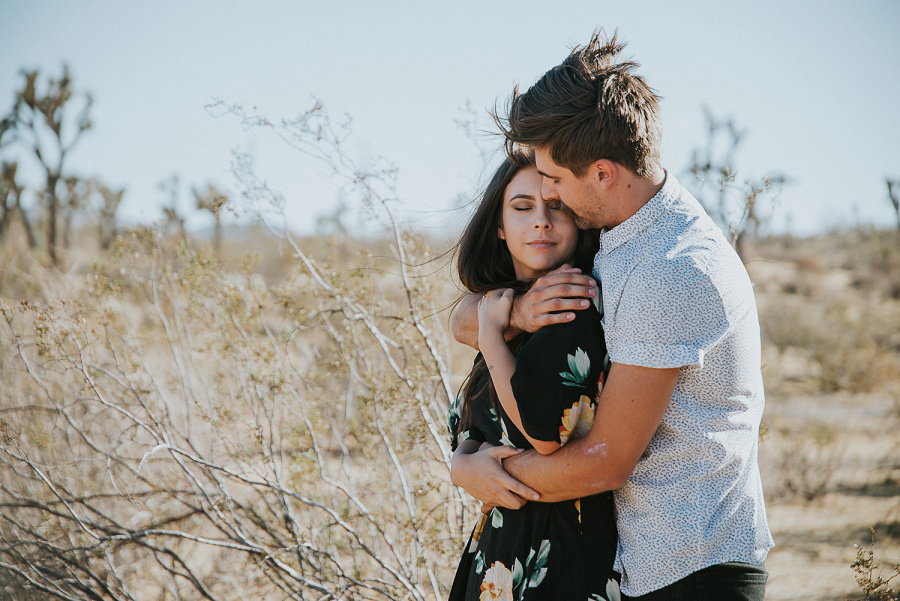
[{"x": 605, "y": 172}]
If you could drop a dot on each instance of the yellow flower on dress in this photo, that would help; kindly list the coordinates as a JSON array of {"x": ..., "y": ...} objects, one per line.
[
  {"x": 497, "y": 584},
  {"x": 476, "y": 534},
  {"x": 577, "y": 420}
]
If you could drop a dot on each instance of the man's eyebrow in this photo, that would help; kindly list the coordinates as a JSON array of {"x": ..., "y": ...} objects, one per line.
[
  {"x": 520, "y": 195},
  {"x": 545, "y": 175}
]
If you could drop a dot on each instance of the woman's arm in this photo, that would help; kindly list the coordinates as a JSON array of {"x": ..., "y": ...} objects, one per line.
[
  {"x": 480, "y": 473},
  {"x": 493, "y": 319}
]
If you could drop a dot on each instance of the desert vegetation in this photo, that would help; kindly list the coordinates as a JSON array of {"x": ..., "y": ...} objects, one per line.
[{"x": 263, "y": 416}]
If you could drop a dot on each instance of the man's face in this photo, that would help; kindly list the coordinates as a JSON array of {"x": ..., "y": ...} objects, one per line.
[{"x": 581, "y": 194}]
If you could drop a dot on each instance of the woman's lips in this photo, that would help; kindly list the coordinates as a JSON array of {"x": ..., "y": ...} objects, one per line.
[{"x": 542, "y": 244}]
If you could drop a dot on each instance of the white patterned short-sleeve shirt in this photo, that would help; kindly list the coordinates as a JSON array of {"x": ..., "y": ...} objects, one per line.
[{"x": 675, "y": 294}]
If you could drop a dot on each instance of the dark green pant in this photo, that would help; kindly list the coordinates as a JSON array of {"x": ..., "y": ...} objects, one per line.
[{"x": 732, "y": 581}]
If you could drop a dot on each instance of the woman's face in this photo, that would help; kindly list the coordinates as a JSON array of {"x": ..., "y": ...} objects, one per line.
[{"x": 541, "y": 235}]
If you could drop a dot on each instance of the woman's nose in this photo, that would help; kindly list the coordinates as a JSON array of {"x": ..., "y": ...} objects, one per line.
[{"x": 542, "y": 220}]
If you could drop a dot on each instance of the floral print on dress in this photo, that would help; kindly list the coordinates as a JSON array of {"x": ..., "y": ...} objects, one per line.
[
  {"x": 453, "y": 421},
  {"x": 612, "y": 592},
  {"x": 497, "y": 584},
  {"x": 579, "y": 367},
  {"x": 577, "y": 420},
  {"x": 505, "y": 439},
  {"x": 476, "y": 533},
  {"x": 508, "y": 554},
  {"x": 600, "y": 381},
  {"x": 501, "y": 583}
]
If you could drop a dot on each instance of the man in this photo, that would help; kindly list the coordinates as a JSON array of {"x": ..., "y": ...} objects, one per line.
[{"x": 676, "y": 429}]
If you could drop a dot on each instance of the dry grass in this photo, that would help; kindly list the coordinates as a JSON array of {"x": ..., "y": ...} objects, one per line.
[
  {"x": 829, "y": 460},
  {"x": 829, "y": 313}
]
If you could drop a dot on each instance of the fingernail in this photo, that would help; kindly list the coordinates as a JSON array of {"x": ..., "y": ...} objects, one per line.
[
  {"x": 535, "y": 497},
  {"x": 584, "y": 303},
  {"x": 570, "y": 316}
]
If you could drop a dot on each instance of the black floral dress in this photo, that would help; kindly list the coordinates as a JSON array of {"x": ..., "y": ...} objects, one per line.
[{"x": 543, "y": 551}]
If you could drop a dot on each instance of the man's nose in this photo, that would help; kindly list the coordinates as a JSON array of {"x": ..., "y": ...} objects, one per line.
[{"x": 548, "y": 190}]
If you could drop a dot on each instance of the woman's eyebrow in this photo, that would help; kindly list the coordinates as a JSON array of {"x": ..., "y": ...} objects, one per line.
[{"x": 525, "y": 196}]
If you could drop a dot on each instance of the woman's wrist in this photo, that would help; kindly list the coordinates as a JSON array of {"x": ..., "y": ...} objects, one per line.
[{"x": 489, "y": 338}]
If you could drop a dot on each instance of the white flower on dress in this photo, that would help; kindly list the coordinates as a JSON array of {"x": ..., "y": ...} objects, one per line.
[{"x": 497, "y": 584}]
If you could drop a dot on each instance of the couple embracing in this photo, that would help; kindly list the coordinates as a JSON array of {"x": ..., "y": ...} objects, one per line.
[{"x": 609, "y": 425}]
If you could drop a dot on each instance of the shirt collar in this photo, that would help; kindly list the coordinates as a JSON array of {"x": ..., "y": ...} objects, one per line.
[{"x": 645, "y": 216}]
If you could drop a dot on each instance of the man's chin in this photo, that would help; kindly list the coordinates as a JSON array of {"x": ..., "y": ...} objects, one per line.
[{"x": 583, "y": 223}]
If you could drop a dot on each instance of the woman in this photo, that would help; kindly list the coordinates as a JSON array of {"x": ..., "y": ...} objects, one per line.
[{"x": 537, "y": 391}]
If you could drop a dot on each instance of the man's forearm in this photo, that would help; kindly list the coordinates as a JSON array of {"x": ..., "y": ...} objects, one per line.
[
  {"x": 464, "y": 322},
  {"x": 578, "y": 469},
  {"x": 631, "y": 407}
]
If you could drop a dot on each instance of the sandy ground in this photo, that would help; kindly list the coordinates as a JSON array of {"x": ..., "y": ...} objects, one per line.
[{"x": 815, "y": 539}]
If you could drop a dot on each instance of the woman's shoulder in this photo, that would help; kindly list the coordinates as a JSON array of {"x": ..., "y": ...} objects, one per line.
[
  {"x": 552, "y": 349},
  {"x": 586, "y": 325}
]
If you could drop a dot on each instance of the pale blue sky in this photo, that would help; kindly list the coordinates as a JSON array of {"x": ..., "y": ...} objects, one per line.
[{"x": 815, "y": 84}]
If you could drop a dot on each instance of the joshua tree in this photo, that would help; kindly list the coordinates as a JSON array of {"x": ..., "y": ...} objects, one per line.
[
  {"x": 11, "y": 202},
  {"x": 109, "y": 204},
  {"x": 894, "y": 196},
  {"x": 734, "y": 205},
  {"x": 42, "y": 120},
  {"x": 212, "y": 200}
]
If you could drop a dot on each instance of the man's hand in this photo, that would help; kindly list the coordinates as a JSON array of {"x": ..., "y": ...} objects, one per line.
[
  {"x": 564, "y": 289},
  {"x": 481, "y": 475},
  {"x": 552, "y": 298}
]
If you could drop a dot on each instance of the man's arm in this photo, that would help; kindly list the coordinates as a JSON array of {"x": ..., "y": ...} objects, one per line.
[
  {"x": 545, "y": 303},
  {"x": 631, "y": 407}
]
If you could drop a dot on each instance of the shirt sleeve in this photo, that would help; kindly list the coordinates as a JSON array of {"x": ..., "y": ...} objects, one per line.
[
  {"x": 670, "y": 314},
  {"x": 558, "y": 374}
]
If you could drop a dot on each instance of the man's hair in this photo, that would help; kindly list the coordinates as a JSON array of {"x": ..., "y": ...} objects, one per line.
[{"x": 589, "y": 107}]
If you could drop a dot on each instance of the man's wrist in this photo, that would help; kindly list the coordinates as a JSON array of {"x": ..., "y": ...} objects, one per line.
[{"x": 516, "y": 325}]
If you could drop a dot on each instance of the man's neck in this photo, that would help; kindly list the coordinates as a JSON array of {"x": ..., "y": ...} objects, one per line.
[{"x": 637, "y": 191}]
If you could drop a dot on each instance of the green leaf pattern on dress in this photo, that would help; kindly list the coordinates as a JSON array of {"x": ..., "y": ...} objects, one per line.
[
  {"x": 532, "y": 574},
  {"x": 612, "y": 592},
  {"x": 579, "y": 367},
  {"x": 496, "y": 518}
]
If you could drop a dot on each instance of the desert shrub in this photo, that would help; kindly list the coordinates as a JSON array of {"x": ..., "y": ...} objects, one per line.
[
  {"x": 174, "y": 429},
  {"x": 805, "y": 462},
  {"x": 874, "y": 583},
  {"x": 843, "y": 337}
]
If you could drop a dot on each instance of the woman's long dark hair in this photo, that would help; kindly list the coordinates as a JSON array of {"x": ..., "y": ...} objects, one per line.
[{"x": 484, "y": 263}]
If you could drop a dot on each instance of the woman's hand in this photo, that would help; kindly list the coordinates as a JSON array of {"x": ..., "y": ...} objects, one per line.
[
  {"x": 481, "y": 474},
  {"x": 494, "y": 309}
]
